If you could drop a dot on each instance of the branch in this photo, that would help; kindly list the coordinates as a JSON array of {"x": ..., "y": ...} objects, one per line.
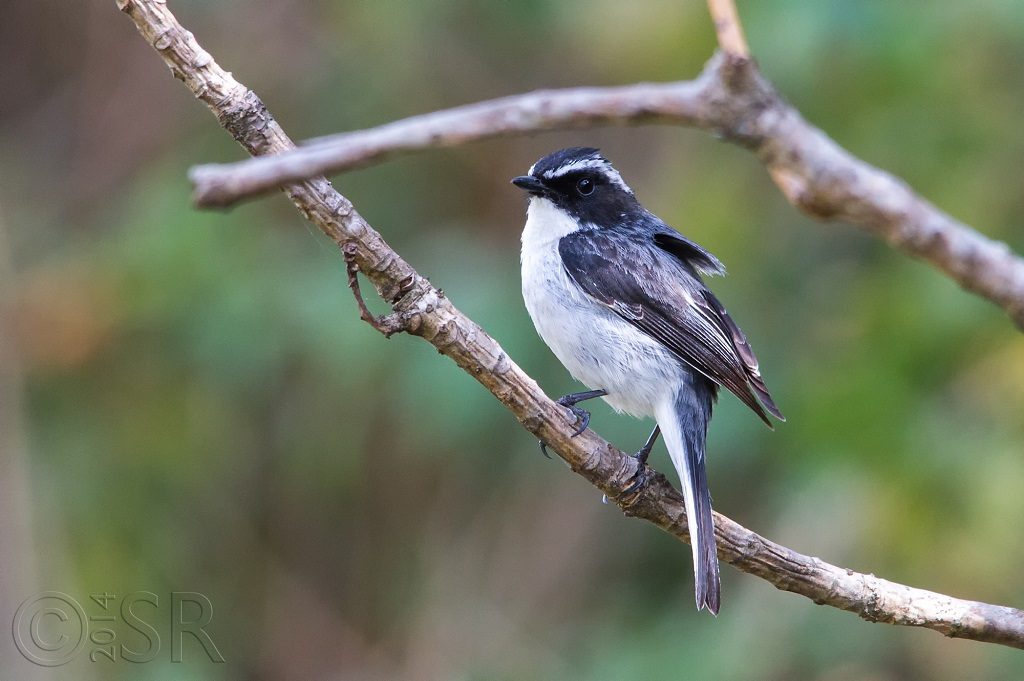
[
  {"x": 424, "y": 311},
  {"x": 728, "y": 27},
  {"x": 731, "y": 99},
  {"x": 221, "y": 185}
]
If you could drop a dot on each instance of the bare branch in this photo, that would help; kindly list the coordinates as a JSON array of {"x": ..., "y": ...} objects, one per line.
[
  {"x": 424, "y": 311},
  {"x": 731, "y": 99},
  {"x": 220, "y": 185},
  {"x": 728, "y": 27}
]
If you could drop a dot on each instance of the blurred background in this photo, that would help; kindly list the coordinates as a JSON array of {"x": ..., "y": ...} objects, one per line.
[{"x": 189, "y": 402}]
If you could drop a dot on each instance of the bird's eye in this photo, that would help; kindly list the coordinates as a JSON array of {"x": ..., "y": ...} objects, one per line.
[{"x": 585, "y": 186}]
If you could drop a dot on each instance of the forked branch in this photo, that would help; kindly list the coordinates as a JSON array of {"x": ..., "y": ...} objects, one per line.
[
  {"x": 731, "y": 99},
  {"x": 424, "y": 311}
]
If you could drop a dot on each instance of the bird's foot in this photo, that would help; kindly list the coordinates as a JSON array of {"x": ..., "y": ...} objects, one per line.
[
  {"x": 582, "y": 420},
  {"x": 642, "y": 475},
  {"x": 644, "y": 452},
  {"x": 640, "y": 478},
  {"x": 582, "y": 416}
]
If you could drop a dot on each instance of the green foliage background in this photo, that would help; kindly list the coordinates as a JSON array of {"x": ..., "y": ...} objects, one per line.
[{"x": 200, "y": 408}]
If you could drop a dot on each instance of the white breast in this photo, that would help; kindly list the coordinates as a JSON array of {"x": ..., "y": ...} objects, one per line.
[{"x": 598, "y": 348}]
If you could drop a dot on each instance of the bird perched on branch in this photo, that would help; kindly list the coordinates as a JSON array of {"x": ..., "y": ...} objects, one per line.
[{"x": 617, "y": 295}]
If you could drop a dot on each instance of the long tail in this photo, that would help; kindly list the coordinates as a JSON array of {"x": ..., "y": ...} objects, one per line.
[{"x": 684, "y": 422}]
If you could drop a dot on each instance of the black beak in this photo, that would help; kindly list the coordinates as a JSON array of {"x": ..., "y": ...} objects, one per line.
[{"x": 531, "y": 184}]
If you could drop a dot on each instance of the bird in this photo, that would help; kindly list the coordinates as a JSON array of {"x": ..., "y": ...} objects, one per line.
[{"x": 619, "y": 297}]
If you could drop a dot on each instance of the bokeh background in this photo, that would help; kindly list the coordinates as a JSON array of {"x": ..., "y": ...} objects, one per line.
[{"x": 189, "y": 402}]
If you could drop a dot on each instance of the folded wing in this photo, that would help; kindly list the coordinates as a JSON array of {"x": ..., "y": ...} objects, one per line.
[{"x": 658, "y": 291}]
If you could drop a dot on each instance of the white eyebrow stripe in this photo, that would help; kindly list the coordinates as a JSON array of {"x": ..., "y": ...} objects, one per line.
[
  {"x": 598, "y": 164},
  {"x": 579, "y": 164}
]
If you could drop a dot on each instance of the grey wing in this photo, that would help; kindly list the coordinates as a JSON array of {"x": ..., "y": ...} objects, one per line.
[
  {"x": 716, "y": 311},
  {"x": 659, "y": 293}
]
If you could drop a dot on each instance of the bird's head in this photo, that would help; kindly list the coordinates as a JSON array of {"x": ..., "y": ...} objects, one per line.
[{"x": 581, "y": 182}]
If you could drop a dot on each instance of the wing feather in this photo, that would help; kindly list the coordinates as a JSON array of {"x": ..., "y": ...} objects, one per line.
[{"x": 624, "y": 273}]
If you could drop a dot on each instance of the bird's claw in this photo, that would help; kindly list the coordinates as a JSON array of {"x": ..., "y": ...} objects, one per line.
[
  {"x": 642, "y": 475},
  {"x": 582, "y": 421},
  {"x": 582, "y": 416},
  {"x": 638, "y": 482}
]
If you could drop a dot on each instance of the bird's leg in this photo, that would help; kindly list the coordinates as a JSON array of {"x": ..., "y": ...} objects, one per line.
[
  {"x": 582, "y": 415},
  {"x": 640, "y": 478},
  {"x": 645, "y": 451}
]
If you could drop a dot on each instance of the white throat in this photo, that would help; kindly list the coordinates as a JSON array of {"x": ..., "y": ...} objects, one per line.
[{"x": 546, "y": 223}]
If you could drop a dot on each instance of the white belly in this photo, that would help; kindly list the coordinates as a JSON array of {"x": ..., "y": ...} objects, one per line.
[{"x": 599, "y": 348}]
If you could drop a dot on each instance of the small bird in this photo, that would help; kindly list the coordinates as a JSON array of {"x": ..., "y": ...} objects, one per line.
[{"x": 617, "y": 295}]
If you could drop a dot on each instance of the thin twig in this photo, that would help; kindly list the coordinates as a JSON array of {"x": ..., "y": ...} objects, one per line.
[
  {"x": 433, "y": 317},
  {"x": 389, "y": 324},
  {"x": 728, "y": 27}
]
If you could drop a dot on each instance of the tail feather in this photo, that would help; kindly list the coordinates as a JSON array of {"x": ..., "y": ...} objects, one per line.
[
  {"x": 683, "y": 422},
  {"x": 705, "y": 555}
]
